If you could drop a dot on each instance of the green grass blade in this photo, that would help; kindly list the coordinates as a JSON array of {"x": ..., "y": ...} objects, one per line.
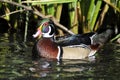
[
  {"x": 36, "y": 2},
  {"x": 96, "y": 11}
]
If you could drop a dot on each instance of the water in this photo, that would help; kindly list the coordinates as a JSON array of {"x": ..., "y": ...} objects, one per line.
[{"x": 16, "y": 63}]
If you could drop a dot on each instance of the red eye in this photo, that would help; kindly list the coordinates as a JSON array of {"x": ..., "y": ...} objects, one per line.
[{"x": 45, "y": 24}]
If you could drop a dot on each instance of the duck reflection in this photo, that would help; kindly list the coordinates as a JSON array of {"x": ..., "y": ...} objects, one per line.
[{"x": 53, "y": 68}]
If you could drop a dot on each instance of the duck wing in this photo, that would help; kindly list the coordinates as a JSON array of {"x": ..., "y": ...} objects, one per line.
[{"x": 74, "y": 39}]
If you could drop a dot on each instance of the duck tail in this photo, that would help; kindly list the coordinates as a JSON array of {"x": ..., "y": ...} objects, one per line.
[{"x": 104, "y": 35}]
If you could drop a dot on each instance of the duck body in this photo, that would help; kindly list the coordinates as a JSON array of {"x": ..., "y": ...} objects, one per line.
[
  {"x": 55, "y": 51},
  {"x": 78, "y": 46}
]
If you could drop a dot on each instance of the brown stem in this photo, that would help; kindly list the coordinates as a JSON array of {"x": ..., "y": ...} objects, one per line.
[{"x": 39, "y": 14}]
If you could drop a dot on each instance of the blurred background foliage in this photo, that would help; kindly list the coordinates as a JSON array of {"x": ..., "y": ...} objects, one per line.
[{"x": 80, "y": 16}]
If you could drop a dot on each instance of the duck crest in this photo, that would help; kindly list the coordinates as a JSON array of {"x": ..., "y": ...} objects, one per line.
[{"x": 47, "y": 48}]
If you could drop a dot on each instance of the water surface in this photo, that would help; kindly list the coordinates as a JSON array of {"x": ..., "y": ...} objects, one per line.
[{"x": 16, "y": 63}]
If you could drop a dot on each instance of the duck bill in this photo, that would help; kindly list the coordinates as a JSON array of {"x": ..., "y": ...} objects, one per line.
[{"x": 37, "y": 34}]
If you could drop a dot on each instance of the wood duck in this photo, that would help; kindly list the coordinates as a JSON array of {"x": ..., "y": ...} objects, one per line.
[{"x": 78, "y": 46}]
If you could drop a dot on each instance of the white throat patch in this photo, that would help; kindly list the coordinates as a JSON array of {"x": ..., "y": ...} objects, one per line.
[{"x": 47, "y": 35}]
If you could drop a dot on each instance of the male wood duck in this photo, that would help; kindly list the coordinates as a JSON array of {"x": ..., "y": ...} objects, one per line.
[{"x": 78, "y": 46}]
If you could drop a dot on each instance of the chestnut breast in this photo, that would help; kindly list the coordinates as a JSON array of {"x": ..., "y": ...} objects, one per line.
[{"x": 47, "y": 48}]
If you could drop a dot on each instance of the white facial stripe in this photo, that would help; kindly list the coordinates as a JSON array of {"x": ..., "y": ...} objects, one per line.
[
  {"x": 59, "y": 52},
  {"x": 48, "y": 33},
  {"x": 49, "y": 29}
]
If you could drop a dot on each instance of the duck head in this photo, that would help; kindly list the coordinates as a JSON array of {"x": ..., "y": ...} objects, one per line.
[
  {"x": 46, "y": 29},
  {"x": 45, "y": 46}
]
